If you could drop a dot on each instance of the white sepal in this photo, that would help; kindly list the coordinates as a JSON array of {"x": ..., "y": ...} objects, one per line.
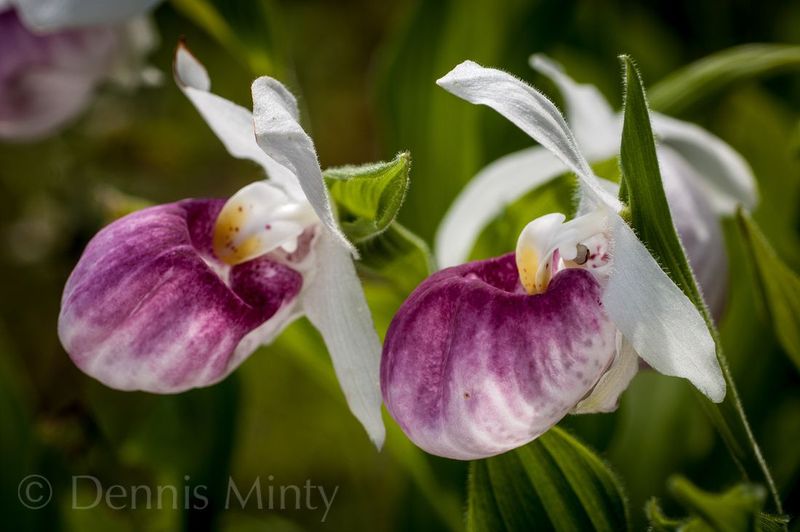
[
  {"x": 335, "y": 304},
  {"x": 530, "y": 111},
  {"x": 281, "y": 137},
  {"x": 232, "y": 123},
  {"x": 657, "y": 318}
]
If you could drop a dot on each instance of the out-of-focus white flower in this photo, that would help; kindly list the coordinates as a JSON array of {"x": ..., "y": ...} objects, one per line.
[{"x": 53, "y": 55}]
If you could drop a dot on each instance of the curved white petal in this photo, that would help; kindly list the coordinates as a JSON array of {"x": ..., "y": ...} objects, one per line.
[
  {"x": 281, "y": 137},
  {"x": 49, "y": 15},
  {"x": 605, "y": 395},
  {"x": 596, "y": 126},
  {"x": 484, "y": 197},
  {"x": 657, "y": 318},
  {"x": 232, "y": 123},
  {"x": 529, "y": 110},
  {"x": 334, "y": 302},
  {"x": 726, "y": 177}
]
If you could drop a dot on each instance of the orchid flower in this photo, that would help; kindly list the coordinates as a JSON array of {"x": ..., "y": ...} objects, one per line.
[
  {"x": 177, "y": 296},
  {"x": 486, "y": 356},
  {"x": 54, "y": 53},
  {"x": 703, "y": 177}
]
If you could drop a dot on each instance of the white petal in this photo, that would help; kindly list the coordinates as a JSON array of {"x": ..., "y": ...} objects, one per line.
[
  {"x": 281, "y": 137},
  {"x": 334, "y": 302},
  {"x": 595, "y": 125},
  {"x": 727, "y": 178},
  {"x": 605, "y": 396},
  {"x": 52, "y": 15},
  {"x": 529, "y": 110},
  {"x": 232, "y": 123},
  {"x": 486, "y": 195},
  {"x": 655, "y": 316}
]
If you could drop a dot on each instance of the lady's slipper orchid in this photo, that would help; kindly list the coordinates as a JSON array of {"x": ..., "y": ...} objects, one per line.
[
  {"x": 177, "y": 296},
  {"x": 703, "y": 179},
  {"x": 54, "y": 53},
  {"x": 486, "y": 356}
]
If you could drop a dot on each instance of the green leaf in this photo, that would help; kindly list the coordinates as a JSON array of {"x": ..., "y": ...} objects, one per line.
[
  {"x": 243, "y": 27},
  {"x": 707, "y": 77},
  {"x": 553, "y": 483},
  {"x": 779, "y": 286},
  {"x": 737, "y": 509},
  {"x": 648, "y": 213},
  {"x": 659, "y": 522},
  {"x": 369, "y": 197},
  {"x": 20, "y": 449},
  {"x": 643, "y": 190},
  {"x": 398, "y": 255}
]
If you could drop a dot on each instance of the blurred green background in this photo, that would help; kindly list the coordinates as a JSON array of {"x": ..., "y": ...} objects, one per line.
[{"x": 364, "y": 73}]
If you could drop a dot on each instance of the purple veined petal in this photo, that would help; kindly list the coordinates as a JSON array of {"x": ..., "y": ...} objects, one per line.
[
  {"x": 149, "y": 308},
  {"x": 473, "y": 366},
  {"x": 47, "y": 80}
]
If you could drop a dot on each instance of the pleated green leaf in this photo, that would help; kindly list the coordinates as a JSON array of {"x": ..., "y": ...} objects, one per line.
[
  {"x": 553, "y": 483},
  {"x": 707, "y": 77},
  {"x": 778, "y": 284}
]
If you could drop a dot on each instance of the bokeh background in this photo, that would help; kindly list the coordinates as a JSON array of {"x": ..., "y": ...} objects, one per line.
[{"x": 364, "y": 72}]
